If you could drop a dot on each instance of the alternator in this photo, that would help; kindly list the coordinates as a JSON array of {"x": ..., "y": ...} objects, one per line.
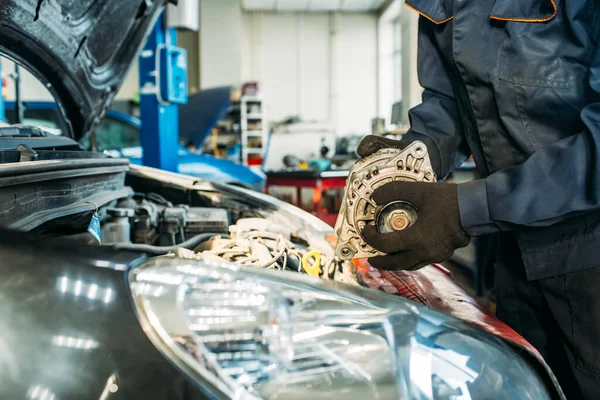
[{"x": 358, "y": 208}]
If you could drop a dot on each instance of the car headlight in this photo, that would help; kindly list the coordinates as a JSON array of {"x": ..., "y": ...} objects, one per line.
[{"x": 249, "y": 334}]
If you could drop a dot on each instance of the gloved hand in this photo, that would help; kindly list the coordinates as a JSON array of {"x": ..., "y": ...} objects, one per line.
[
  {"x": 434, "y": 236},
  {"x": 371, "y": 143}
]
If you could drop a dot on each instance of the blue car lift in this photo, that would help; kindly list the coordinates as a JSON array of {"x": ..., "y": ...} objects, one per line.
[
  {"x": 18, "y": 103},
  {"x": 163, "y": 85},
  {"x": 2, "y": 106}
]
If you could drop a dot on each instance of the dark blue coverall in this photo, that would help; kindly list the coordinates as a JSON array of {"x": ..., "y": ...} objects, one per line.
[{"x": 516, "y": 83}]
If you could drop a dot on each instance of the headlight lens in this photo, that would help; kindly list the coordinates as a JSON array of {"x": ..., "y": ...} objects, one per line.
[{"x": 246, "y": 334}]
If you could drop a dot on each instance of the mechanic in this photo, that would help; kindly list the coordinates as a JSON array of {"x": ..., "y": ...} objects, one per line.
[{"x": 516, "y": 84}]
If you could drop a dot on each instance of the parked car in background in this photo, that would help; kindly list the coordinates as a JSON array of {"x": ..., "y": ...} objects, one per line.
[{"x": 119, "y": 135}]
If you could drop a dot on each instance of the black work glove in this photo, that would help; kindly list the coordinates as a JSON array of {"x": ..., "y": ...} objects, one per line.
[
  {"x": 434, "y": 236},
  {"x": 371, "y": 144}
]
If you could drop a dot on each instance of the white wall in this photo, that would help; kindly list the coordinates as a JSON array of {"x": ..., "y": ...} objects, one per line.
[
  {"x": 411, "y": 89},
  {"x": 31, "y": 88},
  {"x": 131, "y": 84},
  {"x": 220, "y": 43},
  {"x": 356, "y": 73},
  {"x": 385, "y": 50},
  {"x": 320, "y": 66},
  {"x": 288, "y": 55}
]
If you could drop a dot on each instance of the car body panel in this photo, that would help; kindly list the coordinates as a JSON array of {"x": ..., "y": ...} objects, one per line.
[
  {"x": 433, "y": 286},
  {"x": 69, "y": 330},
  {"x": 207, "y": 167}
]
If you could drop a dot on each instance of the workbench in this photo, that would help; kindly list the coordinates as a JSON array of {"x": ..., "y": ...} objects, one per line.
[{"x": 319, "y": 193}]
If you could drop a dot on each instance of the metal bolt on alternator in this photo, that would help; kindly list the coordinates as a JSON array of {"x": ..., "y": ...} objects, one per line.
[{"x": 397, "y": 220}]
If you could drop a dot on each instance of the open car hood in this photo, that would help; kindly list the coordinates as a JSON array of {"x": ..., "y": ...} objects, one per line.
[
  {"x": 80, "y": 49},
  {"x": 202, "y": 113}
]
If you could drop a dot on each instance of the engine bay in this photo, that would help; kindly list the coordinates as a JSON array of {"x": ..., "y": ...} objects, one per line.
[
  {"x": 151, "y": 224},
  {"x": 92, "y": 199},
  {"x": 156, "y": 213}
]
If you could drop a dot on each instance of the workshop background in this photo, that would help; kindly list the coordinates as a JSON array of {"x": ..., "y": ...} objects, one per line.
[
  {"x": 336, "y": 62},
  {"x": 285, "y": 88}
]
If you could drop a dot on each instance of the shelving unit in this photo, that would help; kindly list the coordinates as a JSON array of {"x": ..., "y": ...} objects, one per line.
[
  {"x": 245, "y": 129},
  {"x": 254, "y": 131}
]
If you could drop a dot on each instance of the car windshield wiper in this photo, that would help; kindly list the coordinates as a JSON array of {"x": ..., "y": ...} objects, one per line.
[
  {"x": 25, "y": 153},
  {"x": 27, "y": 143},
  {"x": 22, "y": 131}
]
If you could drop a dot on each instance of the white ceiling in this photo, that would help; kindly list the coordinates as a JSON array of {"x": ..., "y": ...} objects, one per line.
[{"x": 312, "y": 5}]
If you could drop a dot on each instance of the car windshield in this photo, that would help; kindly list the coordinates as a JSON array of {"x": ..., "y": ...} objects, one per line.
[
  {"x": 39, "y": 108},
  {"x": 114, "y": 134},
  {"x": 38, "y": 104},
  {"x": 44, "y": 118}
]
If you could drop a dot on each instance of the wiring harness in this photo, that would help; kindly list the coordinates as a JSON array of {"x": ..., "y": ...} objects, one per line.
[{"x": 268, "y": 250}]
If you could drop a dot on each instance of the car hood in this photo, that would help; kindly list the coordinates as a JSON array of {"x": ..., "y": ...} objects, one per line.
[
  {"x": 207, "y": 167},
  {"x": 220, "y": 170},
  {"x": 81, "y": 50},
  {"x": 202, "y": 113}
]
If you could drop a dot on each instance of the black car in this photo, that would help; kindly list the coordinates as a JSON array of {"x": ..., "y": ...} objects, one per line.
[{"x": 126, "y": 282}]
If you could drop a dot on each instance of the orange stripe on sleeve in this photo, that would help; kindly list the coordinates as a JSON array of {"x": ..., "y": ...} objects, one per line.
[{"x": 427, "y": 16}]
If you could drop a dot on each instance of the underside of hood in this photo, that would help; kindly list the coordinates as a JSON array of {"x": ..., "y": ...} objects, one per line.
[
  {"x": 80, "y": 49},
  {"x": 202, "y": 113}
]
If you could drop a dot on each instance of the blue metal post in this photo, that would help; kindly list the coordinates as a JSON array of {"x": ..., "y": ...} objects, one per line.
[
  {"x": 160, "y": 122},
  {"x": 2, "y": 106}
]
